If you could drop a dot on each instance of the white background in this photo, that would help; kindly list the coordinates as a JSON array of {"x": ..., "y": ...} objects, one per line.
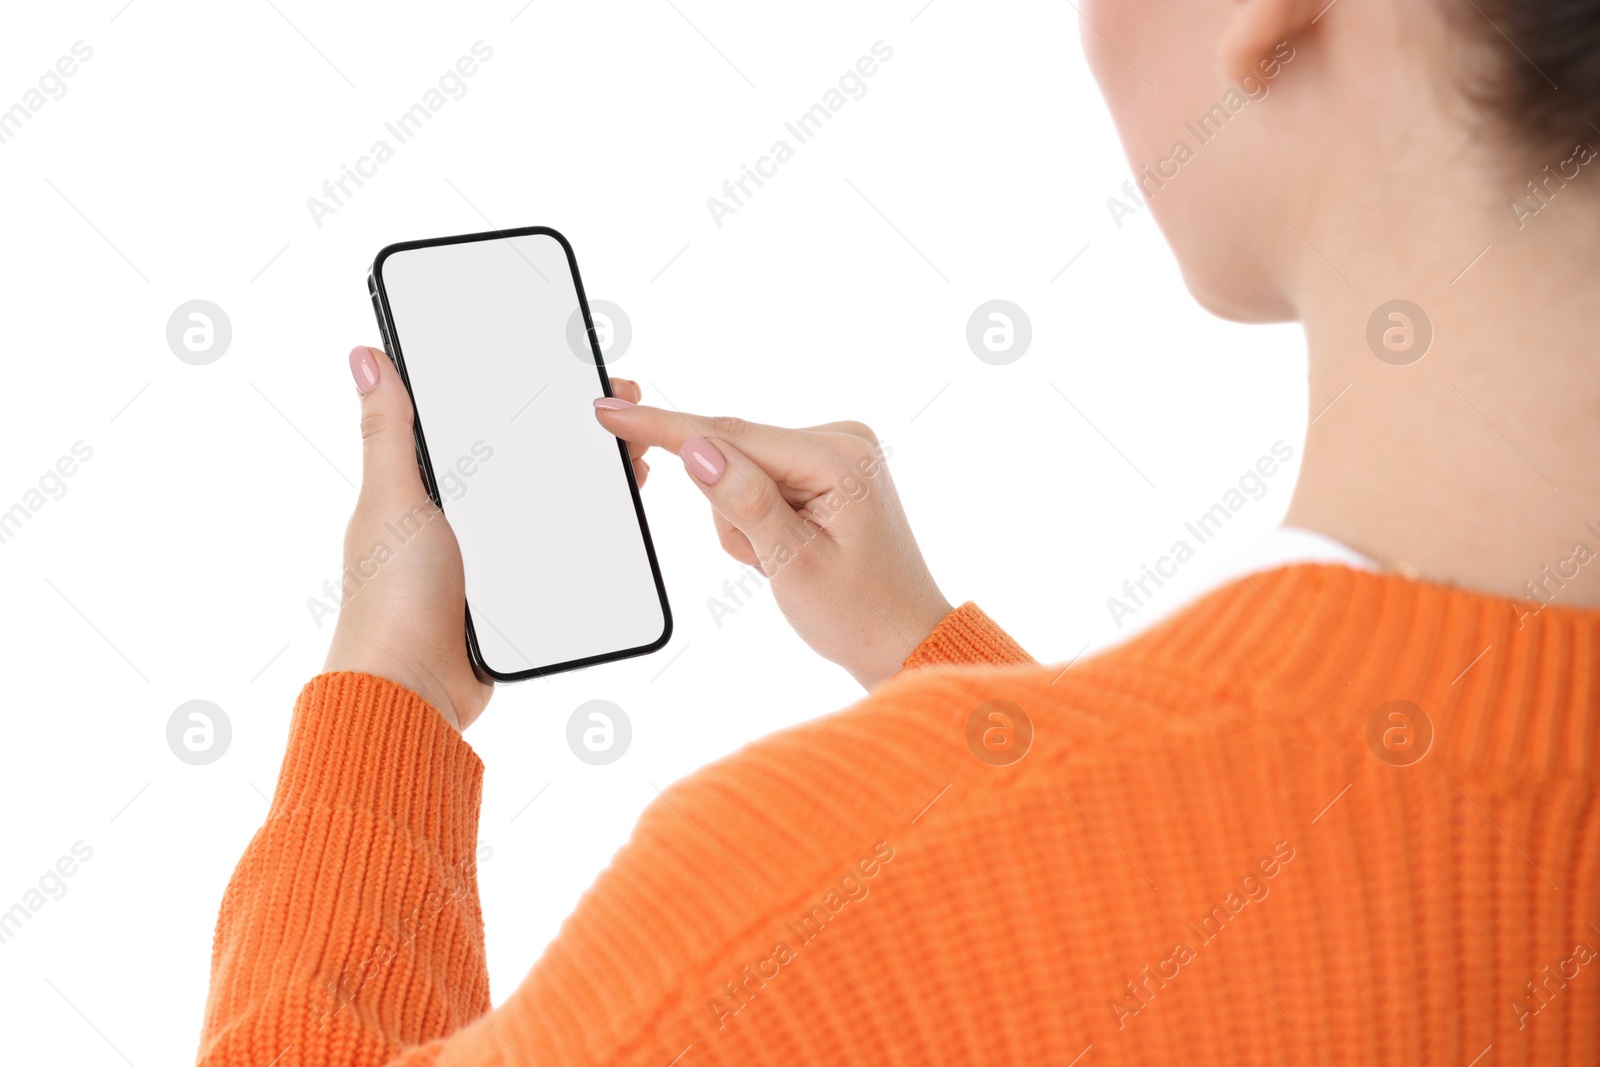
[{"x": 179, "y": 561}]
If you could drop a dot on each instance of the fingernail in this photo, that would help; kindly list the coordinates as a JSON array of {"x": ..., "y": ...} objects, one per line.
[
  {"x": 703, "y": 461},
  {"x": 612, "y": 403},
  {"x": 364, "y": 369}
]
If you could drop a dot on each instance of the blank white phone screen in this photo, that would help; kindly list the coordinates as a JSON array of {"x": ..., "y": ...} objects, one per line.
[{"x": 504, "y": 382}]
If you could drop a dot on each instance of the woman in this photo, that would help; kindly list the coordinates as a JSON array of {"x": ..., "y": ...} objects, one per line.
[{"x": 1340, "y": 810}]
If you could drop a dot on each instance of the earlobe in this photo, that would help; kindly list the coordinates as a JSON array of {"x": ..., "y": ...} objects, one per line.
[{"x": 1256, "y": 27}]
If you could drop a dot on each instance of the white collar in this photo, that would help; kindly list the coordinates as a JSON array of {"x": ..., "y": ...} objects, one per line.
[{"x": 1288, "y": 545}]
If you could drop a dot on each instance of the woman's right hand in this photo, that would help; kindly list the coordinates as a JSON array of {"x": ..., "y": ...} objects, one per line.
[{"x": 816, "y": 512}]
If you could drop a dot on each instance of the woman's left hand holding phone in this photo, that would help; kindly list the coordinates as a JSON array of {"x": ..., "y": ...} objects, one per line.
[{"x": 406, "y": 621}]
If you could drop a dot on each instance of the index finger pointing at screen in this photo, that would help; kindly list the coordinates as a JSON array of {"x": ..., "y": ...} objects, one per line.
[{"x": 789, "y": 455}]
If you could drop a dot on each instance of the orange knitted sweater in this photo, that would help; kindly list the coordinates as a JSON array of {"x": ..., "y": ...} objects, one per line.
[{"x": 1223, "y": 844}]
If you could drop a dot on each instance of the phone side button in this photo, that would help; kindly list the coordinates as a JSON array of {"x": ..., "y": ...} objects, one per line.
[{"x": 383, "y": 331}]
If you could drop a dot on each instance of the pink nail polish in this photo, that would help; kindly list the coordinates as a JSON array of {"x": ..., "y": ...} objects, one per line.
[
  {"x": 703, "y": 461},
  {"x": 364, "y": 369},
  {"x": 612, "y": 403}
]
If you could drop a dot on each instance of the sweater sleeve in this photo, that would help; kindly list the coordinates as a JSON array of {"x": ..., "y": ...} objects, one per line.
[
  {"x": 964, "y": 637},
  {"x": 350, "y": 932}
]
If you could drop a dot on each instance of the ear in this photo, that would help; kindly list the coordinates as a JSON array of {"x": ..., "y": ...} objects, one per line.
[{"x": 1256, "y": 27}]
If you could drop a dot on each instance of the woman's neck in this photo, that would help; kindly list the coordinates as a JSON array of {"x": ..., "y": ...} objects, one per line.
[{"x": 1478, "y": 465}]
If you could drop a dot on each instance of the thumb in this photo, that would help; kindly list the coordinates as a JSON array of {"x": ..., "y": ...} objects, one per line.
[{"x": 388, "y": 446}]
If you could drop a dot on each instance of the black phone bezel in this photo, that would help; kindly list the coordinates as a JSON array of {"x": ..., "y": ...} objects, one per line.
[{"x": 391, "y": 344}]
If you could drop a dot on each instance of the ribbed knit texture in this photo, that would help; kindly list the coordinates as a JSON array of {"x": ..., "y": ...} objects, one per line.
[
  {"x": 967, "y": 635},
  {"x": 1200, "y": 859}
]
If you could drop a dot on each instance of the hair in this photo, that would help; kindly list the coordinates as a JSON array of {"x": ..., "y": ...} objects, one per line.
[{"x": 1543, "y": 83}]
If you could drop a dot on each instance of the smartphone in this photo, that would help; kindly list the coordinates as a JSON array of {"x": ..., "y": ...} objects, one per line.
[{"x": 492, "y": 335}]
